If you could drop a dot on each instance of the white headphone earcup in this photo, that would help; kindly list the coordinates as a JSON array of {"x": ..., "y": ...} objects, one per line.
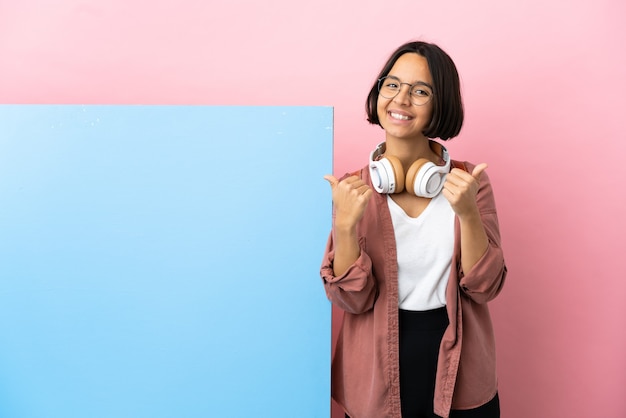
[
  {"x": 425, "y": 179},
  {"x": 387, "y": 175},
  {"x": 433, "y": 182}
]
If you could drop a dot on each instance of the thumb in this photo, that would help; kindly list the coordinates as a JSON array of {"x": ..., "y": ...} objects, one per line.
[
  {"x": 478, "y": 170},
  {"x": 332, "y": 180}
]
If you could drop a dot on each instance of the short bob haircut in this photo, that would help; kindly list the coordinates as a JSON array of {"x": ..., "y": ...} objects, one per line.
[{"x": 447, "y": 117}]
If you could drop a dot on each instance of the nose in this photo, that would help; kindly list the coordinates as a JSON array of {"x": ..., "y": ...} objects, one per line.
[{"x": 404, "y": 95}]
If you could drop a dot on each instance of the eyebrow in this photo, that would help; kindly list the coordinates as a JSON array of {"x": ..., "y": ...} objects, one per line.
[{"x": 417, "y": 83}]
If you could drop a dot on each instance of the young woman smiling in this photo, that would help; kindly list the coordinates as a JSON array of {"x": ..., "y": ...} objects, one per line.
[{"x": 414, "y": 256}]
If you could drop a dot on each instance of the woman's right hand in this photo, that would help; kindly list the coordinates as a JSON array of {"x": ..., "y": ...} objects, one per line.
[{"x": 350, "y": 197}]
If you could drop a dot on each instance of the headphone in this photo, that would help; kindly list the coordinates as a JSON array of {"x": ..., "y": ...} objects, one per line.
[{"x": 423, "y": 178}]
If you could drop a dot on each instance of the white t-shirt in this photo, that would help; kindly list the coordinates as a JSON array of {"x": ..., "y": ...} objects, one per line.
[{"x": 425, "y": 245}]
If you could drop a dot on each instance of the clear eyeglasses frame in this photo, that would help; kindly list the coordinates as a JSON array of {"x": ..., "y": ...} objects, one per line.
[{"x": 420, "y": 93}]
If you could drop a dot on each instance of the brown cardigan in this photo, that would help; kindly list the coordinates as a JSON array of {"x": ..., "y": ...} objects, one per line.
[{"x": 365, "y": 371}]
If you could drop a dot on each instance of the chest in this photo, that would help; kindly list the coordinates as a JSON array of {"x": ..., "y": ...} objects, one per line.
[{"x": 412, "y": 205}]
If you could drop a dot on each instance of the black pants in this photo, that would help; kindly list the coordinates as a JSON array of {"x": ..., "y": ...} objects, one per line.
[
  {"x": 489, "y": 410},
  {"x": 420, "y": 338}
]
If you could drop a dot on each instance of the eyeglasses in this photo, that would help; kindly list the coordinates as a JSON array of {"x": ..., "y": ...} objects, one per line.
[{"x": 420, "y": 92}]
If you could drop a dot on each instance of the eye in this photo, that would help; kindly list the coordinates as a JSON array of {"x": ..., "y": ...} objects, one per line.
[
  {"x": 391, "y": 85},
  {"x": 420, "y": 92}
]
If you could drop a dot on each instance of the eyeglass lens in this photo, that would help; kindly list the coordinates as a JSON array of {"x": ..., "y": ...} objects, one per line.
[{"x": 389, "y": 87}]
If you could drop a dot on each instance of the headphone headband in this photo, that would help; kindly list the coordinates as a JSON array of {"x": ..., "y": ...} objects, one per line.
[{"x": 378, "y": 152}]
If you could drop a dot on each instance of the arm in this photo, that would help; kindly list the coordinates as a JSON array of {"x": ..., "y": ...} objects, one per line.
[
  {"x": 355, "y": 290},
  {"x": 347, "y": 269},
  {"x": 482, "y": 270},
  {"x": 350, "y": 197}
]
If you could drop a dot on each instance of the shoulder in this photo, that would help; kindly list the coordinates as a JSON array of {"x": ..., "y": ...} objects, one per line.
[
  {"x": 463, "y": 165},
  {"x": 362, "y": 173}
]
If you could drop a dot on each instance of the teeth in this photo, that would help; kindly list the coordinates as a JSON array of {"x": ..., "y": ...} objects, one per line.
[{"x": 399, "y": 116}]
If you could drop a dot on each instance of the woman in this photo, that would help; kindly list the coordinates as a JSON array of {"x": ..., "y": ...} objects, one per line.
[{"x": 414, "y": 256}]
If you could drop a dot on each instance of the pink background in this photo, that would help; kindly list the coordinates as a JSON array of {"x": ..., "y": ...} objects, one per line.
[{"x": 544, "y": 87}]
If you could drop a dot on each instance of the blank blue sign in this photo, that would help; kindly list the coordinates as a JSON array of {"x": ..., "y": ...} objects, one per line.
[{"x": 163, "y": 261}]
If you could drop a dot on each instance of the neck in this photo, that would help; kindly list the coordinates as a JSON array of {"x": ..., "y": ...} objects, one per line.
[{"x": 407, "y": 151}]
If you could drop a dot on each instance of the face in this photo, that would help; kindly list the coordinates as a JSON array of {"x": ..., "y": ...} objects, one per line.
[{"x": 399, "y": 116}]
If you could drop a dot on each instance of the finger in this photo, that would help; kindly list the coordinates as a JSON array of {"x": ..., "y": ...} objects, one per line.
[
  {"x": 368, "y": 194},
  {"x": 353, "y": 180},
  {"x": 458, "y": 178},
  {"x": 364, "y": 192},
  {"x": 364, "y": 196},
  {"x": 332, "y": 180},
  {"x": 478, "y": 170}
]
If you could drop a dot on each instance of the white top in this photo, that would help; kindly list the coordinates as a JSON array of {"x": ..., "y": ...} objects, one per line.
[{"x": 425, "y": 245}]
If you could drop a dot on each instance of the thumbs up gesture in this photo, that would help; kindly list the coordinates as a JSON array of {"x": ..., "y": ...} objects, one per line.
[
  {"x": 350, "y": 197},
  {"x": 461, "y": 188}
]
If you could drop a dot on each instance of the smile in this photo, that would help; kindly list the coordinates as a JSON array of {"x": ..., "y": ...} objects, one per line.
[{"x": 399, "y": 116}]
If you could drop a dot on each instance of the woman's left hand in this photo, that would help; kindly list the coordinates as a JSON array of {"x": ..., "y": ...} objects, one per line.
[{"x": 461, "y": 188}]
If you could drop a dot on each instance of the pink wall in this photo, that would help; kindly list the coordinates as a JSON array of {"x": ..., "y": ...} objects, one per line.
[{"x": 544, "y": 89}]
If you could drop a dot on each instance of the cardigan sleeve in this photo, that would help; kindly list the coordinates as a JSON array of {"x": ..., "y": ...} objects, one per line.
[
  {"x": 354, "y": 291},
  {"x": 486, "y": 278}
]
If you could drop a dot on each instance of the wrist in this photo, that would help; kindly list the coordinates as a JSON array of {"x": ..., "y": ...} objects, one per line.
[
  {"x": 345, "y": 228},
  {"x": 470, "y": 216}
]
